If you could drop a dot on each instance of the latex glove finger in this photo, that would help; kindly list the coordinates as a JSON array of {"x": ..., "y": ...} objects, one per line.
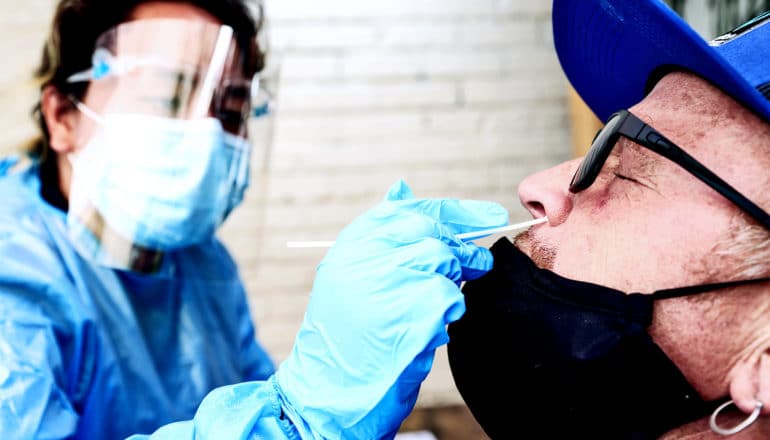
[
  {"x": 459, "y": 215},
  {"x": 462, "y": 215},
  {"x": 474, "y": 260},
  {"x": 405, "y": 221},
  {"x": 381, "y": 234},
  {"x": 452, "y": 217},
  {"x": 399, "y": 191}
]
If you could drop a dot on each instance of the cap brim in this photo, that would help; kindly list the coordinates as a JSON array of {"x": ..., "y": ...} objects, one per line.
[{"x": 611, "y": 52}]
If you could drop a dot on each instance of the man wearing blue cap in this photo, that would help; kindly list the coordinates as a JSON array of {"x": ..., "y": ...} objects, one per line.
[{"x": 639, "y": 310}]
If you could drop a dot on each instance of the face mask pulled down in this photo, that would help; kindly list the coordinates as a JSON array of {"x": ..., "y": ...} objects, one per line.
[
  {"x": 537, "y": 355},
  {"x": 145, "y": 185}
]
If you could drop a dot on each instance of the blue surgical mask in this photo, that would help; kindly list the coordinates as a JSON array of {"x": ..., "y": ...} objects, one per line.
[{"x": 152, "y": 183}]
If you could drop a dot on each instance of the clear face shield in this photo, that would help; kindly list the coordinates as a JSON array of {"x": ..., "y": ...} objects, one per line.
[
  {"x": 171, "y": 68},
  {"x": 163, "y": 155}
]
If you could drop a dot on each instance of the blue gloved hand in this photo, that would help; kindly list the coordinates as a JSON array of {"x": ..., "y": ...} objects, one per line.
[{"x": 381, "y": 301}]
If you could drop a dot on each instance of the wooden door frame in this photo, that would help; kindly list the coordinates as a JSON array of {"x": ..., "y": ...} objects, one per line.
[{"x": 583, "y": 124}]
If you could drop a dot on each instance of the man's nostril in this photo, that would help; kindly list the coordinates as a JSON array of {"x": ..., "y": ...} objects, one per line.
[{"x": 536, "y": 208}]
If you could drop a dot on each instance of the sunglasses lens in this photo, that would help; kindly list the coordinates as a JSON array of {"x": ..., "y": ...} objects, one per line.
[{"x": 591, "y": 165}]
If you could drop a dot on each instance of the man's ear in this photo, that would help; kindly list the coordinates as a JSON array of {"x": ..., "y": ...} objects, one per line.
[
  {"x": 750, "y": 382},
  {"x": 61, "y": 118}
]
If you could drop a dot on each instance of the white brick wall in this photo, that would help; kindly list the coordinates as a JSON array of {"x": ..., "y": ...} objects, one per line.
[
  {"x": 23, "y": 32},
  {"x": 460, "y": 98}
]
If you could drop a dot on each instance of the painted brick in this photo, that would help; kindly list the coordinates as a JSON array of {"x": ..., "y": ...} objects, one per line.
[
  {"x": 496, "y": 32},
  {"x": 311, "y": 9},
  {"x": 34, "y": 14},
  {"x": 513, "y": 90},
  {"x": 294, "y": 67},
  {"x": 345, "y": 127},
  {"x": 321, "y": 36},
  {"x": 495, "y": 143},
  {"x": 418, "y": 33},
  {"x": 422, "y": 63},
  {"x": 334, "y": 96}
]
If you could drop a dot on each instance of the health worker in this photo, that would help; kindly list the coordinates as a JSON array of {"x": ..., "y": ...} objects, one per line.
[
  {"x": 120, "y": 312},
  {"x": 119, "y": 309}
]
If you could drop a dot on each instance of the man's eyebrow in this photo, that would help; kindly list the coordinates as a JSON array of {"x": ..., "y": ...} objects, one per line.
[{"x": 645, "y": 162}]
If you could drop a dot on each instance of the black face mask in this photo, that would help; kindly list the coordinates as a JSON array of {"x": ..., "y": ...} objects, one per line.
[{"x": 540, "y": 356}]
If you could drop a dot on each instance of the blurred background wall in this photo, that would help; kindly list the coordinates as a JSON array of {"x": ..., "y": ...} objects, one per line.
[{"x": 458, "y": 98}]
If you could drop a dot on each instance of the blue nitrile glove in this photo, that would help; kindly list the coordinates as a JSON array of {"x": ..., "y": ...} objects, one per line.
[{"x": 381, "y": 301}]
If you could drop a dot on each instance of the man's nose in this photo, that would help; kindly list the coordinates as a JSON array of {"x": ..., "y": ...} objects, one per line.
[{"x": 547, "y": 193}]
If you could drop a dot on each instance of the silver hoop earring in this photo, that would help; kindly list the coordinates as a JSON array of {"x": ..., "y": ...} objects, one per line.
[{"x": 737, "y": 428}]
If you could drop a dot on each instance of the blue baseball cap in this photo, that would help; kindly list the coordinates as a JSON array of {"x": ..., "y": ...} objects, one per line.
[{"x": 614, "y": 51}]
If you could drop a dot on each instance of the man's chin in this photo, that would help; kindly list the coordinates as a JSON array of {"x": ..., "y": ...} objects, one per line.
[
  {"x": 523, "y": 241},
  {"x": 542, "y": 254}
]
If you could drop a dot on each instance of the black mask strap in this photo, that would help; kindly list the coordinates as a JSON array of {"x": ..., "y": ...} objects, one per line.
[{"x": 703, "y": 288}]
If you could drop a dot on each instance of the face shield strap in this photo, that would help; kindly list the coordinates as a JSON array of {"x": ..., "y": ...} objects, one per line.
[
  {"x": 86, "y": 110},
  {"x": 102, "y": 65}
]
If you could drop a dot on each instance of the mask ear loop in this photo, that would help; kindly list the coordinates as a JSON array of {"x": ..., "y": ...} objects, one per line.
[
  {"x": 91, "y": 114},
  {"x": 737, "y": 428}
]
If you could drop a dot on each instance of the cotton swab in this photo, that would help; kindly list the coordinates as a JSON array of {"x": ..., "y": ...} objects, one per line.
[
  {"x": 478, "y": 234},
  {"x": 467, "y": 236}
]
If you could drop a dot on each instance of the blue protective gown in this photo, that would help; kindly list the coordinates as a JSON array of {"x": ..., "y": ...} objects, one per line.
[{"x": 94, "y": 353}]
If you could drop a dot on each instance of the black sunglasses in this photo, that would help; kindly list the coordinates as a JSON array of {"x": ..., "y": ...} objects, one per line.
[{"x": 625, "y": 124}]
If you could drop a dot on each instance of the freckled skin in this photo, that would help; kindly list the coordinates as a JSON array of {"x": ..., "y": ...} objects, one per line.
[{"x": 641, "y": 239}]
